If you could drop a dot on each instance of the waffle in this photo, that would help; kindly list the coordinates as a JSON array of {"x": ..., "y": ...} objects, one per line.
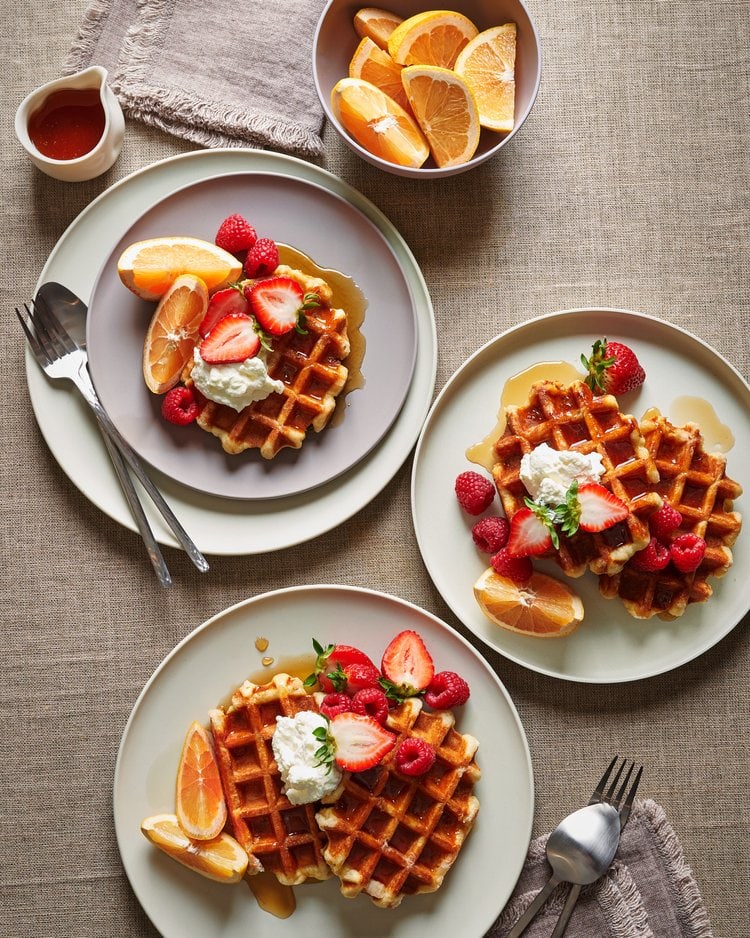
[
  {"x": 311, "y": 370},
  {"x": 284, "y": 838},
  {"x": 695, "y": 483},
  {"x": 572, "y": 418},
  {"x": 391, "y": 835}
]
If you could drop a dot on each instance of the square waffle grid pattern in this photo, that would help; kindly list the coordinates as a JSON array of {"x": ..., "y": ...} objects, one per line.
[
  {"x": 283, "y": 837},
  {"x": 310, "y": 367},
  {"x": 694, "y": 482},
  {"x": 572, "y": 418},
  {"x": 390, "y": 834}
]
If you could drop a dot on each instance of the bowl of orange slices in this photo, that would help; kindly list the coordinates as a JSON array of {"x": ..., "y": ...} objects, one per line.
[{"x": 423, "y": 92}]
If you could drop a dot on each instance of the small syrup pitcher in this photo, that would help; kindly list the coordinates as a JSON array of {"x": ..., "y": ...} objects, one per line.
[{"x": 72, "y": 127}]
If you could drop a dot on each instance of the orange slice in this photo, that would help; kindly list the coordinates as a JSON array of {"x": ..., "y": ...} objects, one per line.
[
  {"x": 376, "y": 24},
  {"x": 446, "y": 111},
  {"x": 201, "y": 808},
  {"x": 221, "y": 859},
  {"x": 543, "y": 608},
  {"x": 432, "y": 38},
  {"x": 149, "y": 268},
  {"x": 173, "y": 332},
  {"x": 487, "y": 65},
  {"x": 374, "y": 65},
  {"x": 376, "y": 122}
]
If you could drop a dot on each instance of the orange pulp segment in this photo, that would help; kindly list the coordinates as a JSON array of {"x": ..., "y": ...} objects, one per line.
[
  {"x": 432, "y": 38},
  {"x": 487, "y": 64},
  {"x": 542, "y": 608},
  {"x": 446, "y": 111},
  {"x": 374, "y": 65},
  {"x": 173, "y": 332},
  {"x": 149, "y": 268},
  {"x": 376, "y": 24},
  {"x": 201, "y": 808},
  {"x": 221, "y": 859},
  {"x": 378, "y": 123}
]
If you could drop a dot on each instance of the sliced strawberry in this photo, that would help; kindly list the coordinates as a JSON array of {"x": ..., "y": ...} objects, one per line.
[
  {"x": 529, "y": 535},
  {"x": 279, "y": 304},
  {"x": 407, "y": 666},
  {"x": 223, "y": 303},
  {"x": 232, "y": 339},
  {"x": 360, "y": 741},
  {"x": 335, "y": 660},
  {"x": 600, "y": 508}
]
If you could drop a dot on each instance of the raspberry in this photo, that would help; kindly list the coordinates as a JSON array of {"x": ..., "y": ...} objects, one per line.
[
  {"x": 447, "y": 689},
  {"x": 335, "y": 703},
  {"x": 414, "y": 756},
  {"x": 687, "y": 552},
  {"x": 235, "y": 235},
  {"x": 474, "y": 492},
  {"x": 179, "y": 406},
  {"x": 262, "y": 258},
  {"x": 490, "y": 534},
  {"x": 518, "y": 569},
  {"x": 371, "y": 702},
  {"x": 652, "y": 558},
  {"x": 664, "y": 521}
]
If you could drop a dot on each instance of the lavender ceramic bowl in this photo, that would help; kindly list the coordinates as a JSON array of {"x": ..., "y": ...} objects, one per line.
[{"x": 335, "y": 43}]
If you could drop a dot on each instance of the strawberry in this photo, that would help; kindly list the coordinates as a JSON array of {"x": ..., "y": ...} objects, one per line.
[
  {"x": 235, "y": 234},
  {"x": 407, "y": 666},
  {"x": 613, "y": 368},
  {"x": 279, "y": 304},
  {"x": 232, "y": 339},
  {"x": 359, "y": 741},
  {"x": 600, "y": 508},
  {"x": 221, "y": 304},
  {"x": 530, "y": 535},
  {"x": 332, "y": 664}
]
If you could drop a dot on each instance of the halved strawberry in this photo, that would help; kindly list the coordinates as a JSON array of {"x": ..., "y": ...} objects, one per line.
[
  {"x": 332, "y": 664},
  {"x": 279, "y": 304},
  {"x": 600, "y": 508},
  {"x": 232, "y": 339},
  {"x": 360, "y": 741},
  {"x": 223, "y": 303},
  {"x": 529, "y": 535},
  {"x": 407, "y": 666}
]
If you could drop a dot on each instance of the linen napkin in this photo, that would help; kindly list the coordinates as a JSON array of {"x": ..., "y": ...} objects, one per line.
[
  {"x": 648, "y": 892},
  {"x": 215, "y": 72}
]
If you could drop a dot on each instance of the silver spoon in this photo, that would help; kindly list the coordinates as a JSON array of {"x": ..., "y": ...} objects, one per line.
[{"x": 580, "y": 850}]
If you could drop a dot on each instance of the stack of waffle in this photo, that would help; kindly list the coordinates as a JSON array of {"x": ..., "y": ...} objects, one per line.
[
  {"x": 391, "y": 835},
  {"x": 283, "y": 838}
]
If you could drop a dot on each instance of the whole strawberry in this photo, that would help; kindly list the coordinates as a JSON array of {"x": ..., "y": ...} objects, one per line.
[{"x": 613, "y": 368}]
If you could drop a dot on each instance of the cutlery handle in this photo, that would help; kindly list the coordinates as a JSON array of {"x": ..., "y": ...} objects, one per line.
[
  {"x": 537, "y": 902},
  {"x": 131, "y": 496},
  {"x": 570, "y": 903},
  {"x": 84, "y": 385}
]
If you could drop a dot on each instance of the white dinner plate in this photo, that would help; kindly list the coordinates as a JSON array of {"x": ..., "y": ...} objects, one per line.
[
  {"x": 336, "y": 235},
  {"x": 219, "y": 526},
  {"x": 610, "y": 645},
  {"x": 217, "y": 657}
]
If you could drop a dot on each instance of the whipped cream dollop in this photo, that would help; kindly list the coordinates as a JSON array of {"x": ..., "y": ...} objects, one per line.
[
  {"x": 548, "y": 473},
  {"x": 236, "y": 384},
  {"x": 294, "y": 748}
]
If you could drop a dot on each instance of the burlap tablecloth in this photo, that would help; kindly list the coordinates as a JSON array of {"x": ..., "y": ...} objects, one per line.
[{"x": 629, "y": 187}]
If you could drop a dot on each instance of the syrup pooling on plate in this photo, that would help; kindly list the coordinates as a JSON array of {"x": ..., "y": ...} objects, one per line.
[{"x": 687, "y": 409}]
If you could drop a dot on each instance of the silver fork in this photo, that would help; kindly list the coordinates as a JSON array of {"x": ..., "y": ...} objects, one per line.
[
  {"x": 622, "y": 800},
  {"x": 61, "y": 358}
]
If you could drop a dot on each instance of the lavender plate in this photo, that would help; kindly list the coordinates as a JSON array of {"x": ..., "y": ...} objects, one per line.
[{"x": 336, "y": 236}]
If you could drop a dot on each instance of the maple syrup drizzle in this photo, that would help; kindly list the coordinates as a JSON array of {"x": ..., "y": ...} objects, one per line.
[
  {"x": 261, "y": 643},
  {"x": 347, "y": 296},
  {"x": 271, "y": 895},
  {"x": 516, "y": 393},
  {"x": 688, "y": 409}
]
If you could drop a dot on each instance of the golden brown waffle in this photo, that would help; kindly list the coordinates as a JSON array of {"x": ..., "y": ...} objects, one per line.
[
  {"x": 311, "y": 370},
  {"x": 572, "y": 418},
  {"x": 391, "y": 835},
  {"x": 283, "y": 837},
  {"x": 695, "y": 483}
]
